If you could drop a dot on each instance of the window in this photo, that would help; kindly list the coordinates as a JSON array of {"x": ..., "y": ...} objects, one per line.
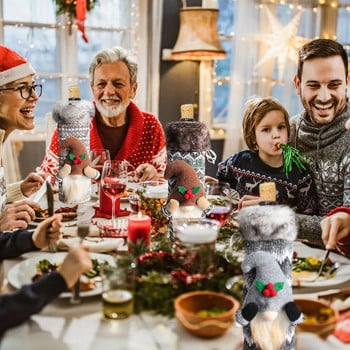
[
  {"x": 57, "y": 51},
  {"x": 265, "y": 81}
]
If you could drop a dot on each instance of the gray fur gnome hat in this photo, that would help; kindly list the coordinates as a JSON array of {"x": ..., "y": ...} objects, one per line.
[{"x": 271, "y": 228}]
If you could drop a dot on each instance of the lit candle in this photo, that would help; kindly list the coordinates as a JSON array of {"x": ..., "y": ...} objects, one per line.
[
  {"x": 139, "y": 228},
  {"x": 210, "y": 4}
]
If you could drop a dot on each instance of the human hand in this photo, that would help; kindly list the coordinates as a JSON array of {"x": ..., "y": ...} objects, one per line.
[
  {"x": 210, "y": 180},
  {"x": 48, "y": 231},
  {"x": 248, "y": 200},
  {"x": 146, "y": 172},
  {"x": 17, "y": 215},
  {"x": 334, "y": 228},
  {"x": 32, "y": 183},
  {"x": 75, "y": 263}
]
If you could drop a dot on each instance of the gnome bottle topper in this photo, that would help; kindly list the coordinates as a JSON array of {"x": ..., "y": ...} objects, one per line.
[
  {"x": 73, "y": 120},
  {"x": 76, "y": 173},
  {"x": 189, "y": 140},
  {"x": 268, "y": 313}
]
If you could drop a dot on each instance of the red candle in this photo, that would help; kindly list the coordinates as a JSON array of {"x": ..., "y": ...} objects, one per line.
[{"x": 139, "y": 228}]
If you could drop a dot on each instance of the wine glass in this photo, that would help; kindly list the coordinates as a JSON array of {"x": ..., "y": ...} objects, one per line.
[
  {"x": 218, "y": 194},
  {"x": 97, "y": 159},
  {"x": 114, "y": 180}
]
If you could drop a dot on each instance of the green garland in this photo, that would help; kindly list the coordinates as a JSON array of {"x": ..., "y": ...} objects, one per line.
[
  {"x": 64, "y": 7},
  {"x": 161, "y": 277}
]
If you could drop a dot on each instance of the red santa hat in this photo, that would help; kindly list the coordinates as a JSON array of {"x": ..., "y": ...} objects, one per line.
[{"x": 13, "y": 66}]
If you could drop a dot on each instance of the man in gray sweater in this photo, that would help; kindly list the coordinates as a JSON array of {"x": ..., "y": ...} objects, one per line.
[{"x": 319, "y": 131}]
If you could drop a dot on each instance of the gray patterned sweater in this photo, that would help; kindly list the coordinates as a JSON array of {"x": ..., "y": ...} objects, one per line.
[{"x": 327, "y": 148}]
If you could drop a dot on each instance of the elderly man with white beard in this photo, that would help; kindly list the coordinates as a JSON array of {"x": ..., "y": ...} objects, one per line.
[{"x": 119, "y": 125}]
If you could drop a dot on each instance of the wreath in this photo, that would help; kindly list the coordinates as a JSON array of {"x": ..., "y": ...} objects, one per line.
[{"x": 75, "y": 10}]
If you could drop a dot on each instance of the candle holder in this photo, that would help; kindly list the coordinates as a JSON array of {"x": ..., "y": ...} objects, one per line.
[{"x": 195, "y": 243}]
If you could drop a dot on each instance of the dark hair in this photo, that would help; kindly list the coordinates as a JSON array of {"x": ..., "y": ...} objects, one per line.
[
  {"x": 256, "y": 110},
  {"x": 321, "y": 48}
]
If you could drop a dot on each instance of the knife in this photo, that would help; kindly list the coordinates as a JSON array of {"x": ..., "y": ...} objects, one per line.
[
  {"x": 323, "y": 263},
  {"x": 50, "y": 209}
]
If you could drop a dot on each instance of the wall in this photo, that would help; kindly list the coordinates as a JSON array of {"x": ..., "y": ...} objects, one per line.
[{"x": 179, "y": 81}]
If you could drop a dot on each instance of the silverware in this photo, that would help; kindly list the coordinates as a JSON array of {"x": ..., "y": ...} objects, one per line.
[
  {"x": 50, "y": 210},
  {"x": 83, "y": 231},
  {"x": 323, "y": 263}
]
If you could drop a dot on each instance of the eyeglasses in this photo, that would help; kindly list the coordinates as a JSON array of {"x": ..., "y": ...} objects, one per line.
[{"x": 27, "y": 90}]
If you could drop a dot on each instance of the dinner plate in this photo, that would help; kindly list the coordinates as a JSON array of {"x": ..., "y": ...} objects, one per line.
[
  {"x": 84, "y": 214},
  {"x": 23, "y": 272},
  {"x": 340, "y": 276}
]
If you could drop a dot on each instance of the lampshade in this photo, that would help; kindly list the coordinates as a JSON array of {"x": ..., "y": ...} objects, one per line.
[{"x": 198, "y": 37}]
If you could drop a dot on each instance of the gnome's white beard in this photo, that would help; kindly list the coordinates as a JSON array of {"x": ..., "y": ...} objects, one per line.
[
  {"x": 189, "y": 211},
  {"x": 76, "y": 189},
  {"x": 270, "y": 335}
]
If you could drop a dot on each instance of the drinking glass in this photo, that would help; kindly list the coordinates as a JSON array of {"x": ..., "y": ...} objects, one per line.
[
  {"x": 218, "y": 194},
  {"x": 114, "y": 180},
  {"x": 97, "y": 159}
]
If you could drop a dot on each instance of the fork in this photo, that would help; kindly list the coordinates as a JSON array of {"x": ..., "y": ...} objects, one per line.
[{"x": 83, "y": 231}]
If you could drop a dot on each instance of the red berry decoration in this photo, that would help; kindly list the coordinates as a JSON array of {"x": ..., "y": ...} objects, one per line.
[
  {"x": 266, "y": 292},
  {"x": 269, "y": 286}
]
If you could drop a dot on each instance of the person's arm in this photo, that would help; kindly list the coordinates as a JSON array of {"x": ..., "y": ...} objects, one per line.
[
  {"x": 307, "y": 201},
  {"x": 309, "y": 228},
  {"x": 17, "y": 307},
  {"x": 13, "y": 244},
  {"x": 50, "y": 164}
]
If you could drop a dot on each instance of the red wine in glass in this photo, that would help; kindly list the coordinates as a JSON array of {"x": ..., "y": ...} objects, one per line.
[
  {"x": 113, "y": 188},
  {"x": 220, "y": 214}
]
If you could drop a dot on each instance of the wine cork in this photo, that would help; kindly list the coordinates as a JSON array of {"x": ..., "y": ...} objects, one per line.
[
  {"x": 267, "y": 191},
  {"x": 74, "y": 92},
  {"x": 187, "y": 111}
]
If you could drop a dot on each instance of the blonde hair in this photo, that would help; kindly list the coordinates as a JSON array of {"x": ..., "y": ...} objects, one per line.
[{"x": 256, "y": 109}]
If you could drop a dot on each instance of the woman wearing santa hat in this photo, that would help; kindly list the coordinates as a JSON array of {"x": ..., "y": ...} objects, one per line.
[{"x": 18, "y": 97}]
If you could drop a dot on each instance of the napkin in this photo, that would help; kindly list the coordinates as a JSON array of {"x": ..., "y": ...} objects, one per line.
[{"x": 96, "y": 245}]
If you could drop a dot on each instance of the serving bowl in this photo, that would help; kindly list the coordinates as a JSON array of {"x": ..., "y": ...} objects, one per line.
[
  {"x": 205, "y": 314},
  {"x": 320, "y": 317}
]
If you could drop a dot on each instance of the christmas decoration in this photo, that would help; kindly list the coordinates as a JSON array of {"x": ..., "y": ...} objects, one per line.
[
  {"x": 75, "y": 9},
  {"x": 283, "y": 42}
]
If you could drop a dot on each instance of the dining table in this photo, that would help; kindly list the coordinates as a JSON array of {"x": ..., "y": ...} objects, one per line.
[{"x": 62, "y": 325}]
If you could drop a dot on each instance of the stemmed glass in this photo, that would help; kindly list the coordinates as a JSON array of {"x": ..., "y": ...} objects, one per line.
[
  {"x": 97, "y": 159},
  {"x": 114, "y": 180}
]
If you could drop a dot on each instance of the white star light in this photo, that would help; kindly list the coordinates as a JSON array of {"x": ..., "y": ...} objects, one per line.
[{"x": 283, "y": 42}]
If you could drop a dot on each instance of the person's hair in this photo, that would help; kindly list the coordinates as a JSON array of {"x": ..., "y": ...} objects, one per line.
[
  {"x": 321, "y": 48},
  {"x": 256, "y": 109},
  {"x": 112, "y": 55}
]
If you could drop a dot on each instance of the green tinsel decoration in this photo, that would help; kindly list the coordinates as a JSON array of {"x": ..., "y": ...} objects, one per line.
[{"x": 291, "y": 156}]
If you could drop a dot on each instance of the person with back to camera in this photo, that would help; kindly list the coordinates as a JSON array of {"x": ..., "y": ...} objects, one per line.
[
  {"x": 19, "y": 95},
  {"x": 17, "y": 307},
  {"x": 319, "y": 132},
  {"x": 119, "y": 125},
  {"x": 265, "y": 128}
]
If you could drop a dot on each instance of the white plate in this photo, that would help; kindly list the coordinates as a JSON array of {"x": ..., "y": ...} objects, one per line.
[
  {"x": 23, "y": 272},
  {"x": 84, "y": 214},
  {"x": 342, "y": 274}
]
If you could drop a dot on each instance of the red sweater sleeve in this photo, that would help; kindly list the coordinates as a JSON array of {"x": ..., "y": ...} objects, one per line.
[{"x": 335, "y": 210}]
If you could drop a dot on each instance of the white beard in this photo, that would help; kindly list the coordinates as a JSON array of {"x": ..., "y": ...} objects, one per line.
[
  {"x": 111, "y": 111},
  {"x": 270, "y": 335},
  {"x": 188, "y": 212},
  {"x": 76, "y": 189}
]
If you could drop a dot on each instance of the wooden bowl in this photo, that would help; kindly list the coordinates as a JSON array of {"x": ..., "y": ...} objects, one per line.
[
  {"x": 320, "y": 317},
  {"x": 191, "y": 312}
]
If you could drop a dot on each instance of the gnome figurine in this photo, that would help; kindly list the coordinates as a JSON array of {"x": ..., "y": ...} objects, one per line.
[
  {"x": 187, "y": 198},
  {"x": 268, "y": 313},
  {"x": 76, "y": 173}
]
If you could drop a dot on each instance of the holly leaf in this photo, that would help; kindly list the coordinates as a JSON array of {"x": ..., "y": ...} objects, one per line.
[
  {"x": 182, "y": 189},
  {"x": 260, "y": 285},
  {"x": 71, "y": 156},
  {"x": 195, "y": 189},
  {"x": 83, "y": 156},
  {"x": 278, "y": 286}
]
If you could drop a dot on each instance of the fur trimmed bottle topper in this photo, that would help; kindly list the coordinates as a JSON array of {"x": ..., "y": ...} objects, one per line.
[
  {"x": 189, "y": 140},
  {"x": 268, "y": 313},
  {"x": 73, "y": 120}
]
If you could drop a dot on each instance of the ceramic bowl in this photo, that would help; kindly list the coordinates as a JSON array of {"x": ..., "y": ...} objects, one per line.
[
  {"x": 205, "y": 314},
  {"x": 320, "y": 317}
]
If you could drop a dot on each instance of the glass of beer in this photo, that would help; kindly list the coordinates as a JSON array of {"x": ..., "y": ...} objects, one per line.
[{"x": 118, "y": 288}]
